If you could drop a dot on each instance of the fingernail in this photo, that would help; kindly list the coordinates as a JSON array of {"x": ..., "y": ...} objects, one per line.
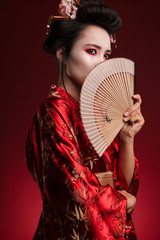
[
  {"x": 125, "y": 119},
  {"x": 126, "y": 113}
]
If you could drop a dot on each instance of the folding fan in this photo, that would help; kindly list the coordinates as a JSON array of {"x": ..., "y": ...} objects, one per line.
[{"x": 106, "y": 94}]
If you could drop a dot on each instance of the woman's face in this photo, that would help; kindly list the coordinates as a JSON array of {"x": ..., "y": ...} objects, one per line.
[{"x": 91, "y": 48}]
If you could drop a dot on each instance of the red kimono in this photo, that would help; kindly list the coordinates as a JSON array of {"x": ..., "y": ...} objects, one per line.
[{"x": 63, "y": 162}]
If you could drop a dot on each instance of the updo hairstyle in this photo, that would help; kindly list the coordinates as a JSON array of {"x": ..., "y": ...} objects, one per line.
[{"x": 64, "y": 32}]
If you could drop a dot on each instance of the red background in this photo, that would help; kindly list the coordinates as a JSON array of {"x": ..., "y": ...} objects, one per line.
[{"x": 26, "y": 75}]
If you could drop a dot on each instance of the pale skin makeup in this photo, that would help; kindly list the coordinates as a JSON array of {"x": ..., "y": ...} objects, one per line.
[{"x": 91, "y": 48}]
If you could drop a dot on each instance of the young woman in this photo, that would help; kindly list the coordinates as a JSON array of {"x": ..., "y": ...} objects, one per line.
[{"x": 59, "y": 154}]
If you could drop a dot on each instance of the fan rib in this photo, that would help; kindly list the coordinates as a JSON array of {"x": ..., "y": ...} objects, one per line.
[{"x": 105, "y": 95}]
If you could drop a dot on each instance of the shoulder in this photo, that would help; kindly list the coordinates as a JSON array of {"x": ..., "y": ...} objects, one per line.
[{"x": 55, "y": 108}]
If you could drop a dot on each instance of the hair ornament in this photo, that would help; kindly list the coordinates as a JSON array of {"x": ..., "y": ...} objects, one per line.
[
  {"x": 69, "y": 8},
  {"x": 50, "y": 20},
  {"x": 113, "y": 39}
]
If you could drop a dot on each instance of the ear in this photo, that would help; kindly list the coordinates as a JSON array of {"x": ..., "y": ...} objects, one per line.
[{"x": 60, "y": 54}]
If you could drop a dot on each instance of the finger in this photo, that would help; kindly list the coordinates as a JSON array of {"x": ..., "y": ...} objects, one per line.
[
  {"x": 137, "y": 120},
  {"x": 135, "y": 106},
  {"x": 130, "y": 110},
  {"x": 136, "y": 113},
  {"x": 137, "y": 98}
]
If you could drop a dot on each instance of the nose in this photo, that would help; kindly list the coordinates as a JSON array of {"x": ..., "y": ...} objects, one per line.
[{"x": 101, "y": 59}]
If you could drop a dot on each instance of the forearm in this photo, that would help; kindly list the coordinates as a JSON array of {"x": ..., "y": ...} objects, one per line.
[
  {"x": 126, "y": 160},
  {"x": 133, "y": 121}
]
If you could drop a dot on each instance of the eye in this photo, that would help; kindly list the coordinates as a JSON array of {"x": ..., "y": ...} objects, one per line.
[
  {"x": 107, "y": 55},
  {"x": 91, "y": 51}
]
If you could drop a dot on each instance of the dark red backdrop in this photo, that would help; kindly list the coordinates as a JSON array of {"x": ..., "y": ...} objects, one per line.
[{"x": 26, "y": 75}]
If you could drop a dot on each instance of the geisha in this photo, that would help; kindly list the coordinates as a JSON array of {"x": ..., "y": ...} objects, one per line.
[{"x": 59, "y": 155}]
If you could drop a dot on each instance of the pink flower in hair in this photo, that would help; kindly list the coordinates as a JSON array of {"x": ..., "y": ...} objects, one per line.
[
  {"x": 112, "y": 38},
  {"x": 68, "y": 8},
  {"x": 74, "y": 12}
]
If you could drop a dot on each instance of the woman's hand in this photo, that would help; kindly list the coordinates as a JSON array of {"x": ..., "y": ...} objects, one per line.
[
  {"x": 133, "y": 119},
  {"x": 133, "y": 122},
  {"x": 131, "y": 200}
]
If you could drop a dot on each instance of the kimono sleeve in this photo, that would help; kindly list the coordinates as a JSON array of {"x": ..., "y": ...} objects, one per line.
[{"x": 56, "y": 163}]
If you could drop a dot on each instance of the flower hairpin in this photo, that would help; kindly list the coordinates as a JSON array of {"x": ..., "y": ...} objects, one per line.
[
  {"x": 67, "y": 9},
  {"x": 113, "y": 39}
]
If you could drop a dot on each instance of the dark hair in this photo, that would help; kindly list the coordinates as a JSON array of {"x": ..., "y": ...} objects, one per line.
[{"x": 64, "y": 32}]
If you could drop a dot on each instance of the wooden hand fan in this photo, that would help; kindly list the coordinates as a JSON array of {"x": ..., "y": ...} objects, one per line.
[{"x": 106, "y": 94}]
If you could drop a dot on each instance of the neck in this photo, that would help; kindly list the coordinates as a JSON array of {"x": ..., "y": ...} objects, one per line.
[{"x": 66, "y": 83}]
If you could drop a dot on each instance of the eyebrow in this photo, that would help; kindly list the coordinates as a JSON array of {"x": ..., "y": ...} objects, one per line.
[{"x": 95, "y": 45}]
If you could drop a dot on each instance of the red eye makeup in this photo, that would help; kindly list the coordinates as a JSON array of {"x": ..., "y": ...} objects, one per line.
[
  {"x": 107, "y": 55},
  {"x": 91, "y": 51}
]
